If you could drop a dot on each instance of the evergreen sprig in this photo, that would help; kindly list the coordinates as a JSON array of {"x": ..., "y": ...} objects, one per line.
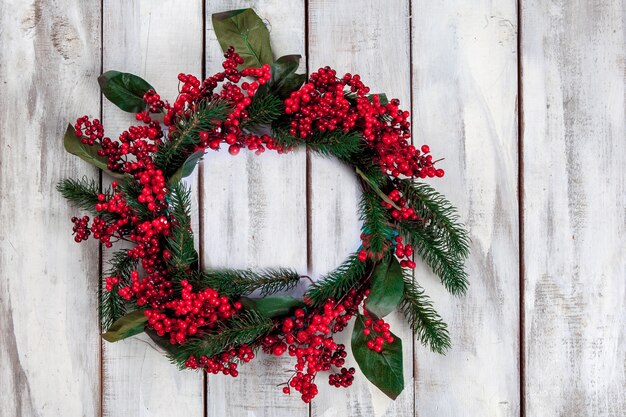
[
  {"x": 244, "y": 328},
  {"x": 264, "y": 109},
  {"x": 376, "y": 221},
  {"x": 176, "y": 149},
  {"x": 427, "y": 325},
  {"x": 180, "y": 242},
  {"x": 112, "y": 306},
  {"x": 335, "y": 143},
  {"x": 82, "y": 193},
  {"x": 437, "y": 213},
  {"x": 433, "y": 249},
  {"x": 236, "y": 282},
  {"x": 337, "y": 283}
]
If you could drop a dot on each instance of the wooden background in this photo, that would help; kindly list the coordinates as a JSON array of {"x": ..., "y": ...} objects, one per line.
[{"x": 527, "y": 103}]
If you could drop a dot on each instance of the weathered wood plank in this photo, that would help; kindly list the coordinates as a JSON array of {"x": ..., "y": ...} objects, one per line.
[
  {"x": 49, "y": 342},
  {"x": 155, "y": 40},
  {"x": 370, "y": 38},
  {"x": 253, "y": 212},
  {"x": 464, "y": 92},
  {"x": 574, "y": 200}
]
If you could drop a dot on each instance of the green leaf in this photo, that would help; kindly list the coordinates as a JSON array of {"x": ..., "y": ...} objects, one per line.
[
  {"x": 245, "y": 31},
  {"x": 129, "y": 325},
  {"x": 383, "y": 369},
  {"x": 272, "y": 306},
  {"x": 284, "y": 79},
  {"x": 187, "y": 168},
  {"x": 125, "y": 90},
  {"x": 88, "y": 153},
  {"x": 387, "y": 288}
]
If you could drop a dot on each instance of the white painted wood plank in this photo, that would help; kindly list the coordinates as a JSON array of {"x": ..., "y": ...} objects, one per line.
[
  {"x": 464, "y": 92},
  {"x": 574, "y": 208},
  {"x": 254, "y": 215},
  {"x": 157, "y": 41},
  {"x": 370, "y": 38},
  {"x": 49, "y": 342}
]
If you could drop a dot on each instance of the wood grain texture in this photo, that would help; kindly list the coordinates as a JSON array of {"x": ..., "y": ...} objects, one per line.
[
  {"x": 49, "y": 342},
  {"x": 253, "y": 212},
  {"x": 574, "y": 208},
  {"x": 155, "y": 40},
  {"x": 464, "y": 92},
  {"x": 370, "y": 38}
]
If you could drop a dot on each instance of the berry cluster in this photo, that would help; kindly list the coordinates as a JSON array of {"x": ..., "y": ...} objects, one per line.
[
  {"x": 193, "y": 311},
  {"x": 223, "y": 363},
  {"x": 308, "y": 338},
  {"x": 377, "y": 330},
  {"x": 328, "y": 103}
]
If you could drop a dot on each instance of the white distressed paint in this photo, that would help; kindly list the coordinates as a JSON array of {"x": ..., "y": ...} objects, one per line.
[
  {"x": 464, "y": 89},
  {"x": 49, "y": 342},
  {"x": 574, "y": 208}
]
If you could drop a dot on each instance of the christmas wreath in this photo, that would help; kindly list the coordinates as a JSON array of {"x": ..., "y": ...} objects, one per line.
[{"x": 215, "y": 320}]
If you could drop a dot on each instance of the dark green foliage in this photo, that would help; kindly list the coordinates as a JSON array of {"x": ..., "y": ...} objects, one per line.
[
  {"x": 337, "y": 283},
  {"x": 433, "y": 249},
  {"x": 112, "y": 306},
  {"x": 376, "y": 222},
  {"x": 264, "y": 109},
  {"x": 180, "y": 240},
  {"x": 424, "y": 320},
  {"x": 437, "y": 213},
  {"x": 336, "y": 143},
  {"x": 244, "y": 328},
  {"x": 234, "y": 282},
  {"x": 82, "y": 193},
  {"x": 175, "y": 150},
  {"x": 125, "y": 90}
]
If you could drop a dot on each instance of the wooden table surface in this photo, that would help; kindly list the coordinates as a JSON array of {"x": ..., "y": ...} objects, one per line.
[{"x": 525, "y": 101}]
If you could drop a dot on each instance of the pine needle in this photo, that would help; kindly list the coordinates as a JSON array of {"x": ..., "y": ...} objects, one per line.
[
  {"x": 234, "y": 282},
  {"x": 112, "y": 306},
  {"x": 180, "y": 241},
  {"x": 337, "y": 283},
  {"x": 427, "y": 325}
]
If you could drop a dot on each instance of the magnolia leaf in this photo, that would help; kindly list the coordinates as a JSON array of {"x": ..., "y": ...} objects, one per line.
[
  {"x": 382, "y": 369},
  {"x": 125, "y": 90},
  {"x": 387, "y": 288},
  {"x": 126, "y": 326},
  {"x": 272, "y": 306},
  {"x": 187, "y": 168},
  {"x": 162, "y": 342},
  {"x": 89, "y": 153},
  {"x": 284, "y": 79},
  {"x": 244, "y": 30}
]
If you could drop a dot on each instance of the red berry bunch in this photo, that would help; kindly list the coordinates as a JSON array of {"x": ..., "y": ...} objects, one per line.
[
  {"x": 223, "y": 363},
  {"x": 328, "y": 103},
  {"x": 81, "y": 228},
  {"x": 193, "y": 311},
  {"x": 378, "y": 332}
]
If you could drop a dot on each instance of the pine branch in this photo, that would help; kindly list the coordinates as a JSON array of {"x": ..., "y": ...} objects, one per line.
[
  {"x": 337, "y": 283},
  {"x": 436, "y": 211},
  {"x": 375, "y": 222},
  {"x": 427, "y": 325},
  {"x": 264, "y": 109},
  {"x": 174, "y": 151},
  {"x": 234, "y": 283},
  {"x": 244, "y": 328},
  {"x": 112, "y": 306},
  {"x": 434, "y": 251},
  {"x": 336, "y": 143},
  {"x": 82, "y": 193},
  {"x": 180, "y": 242}
]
